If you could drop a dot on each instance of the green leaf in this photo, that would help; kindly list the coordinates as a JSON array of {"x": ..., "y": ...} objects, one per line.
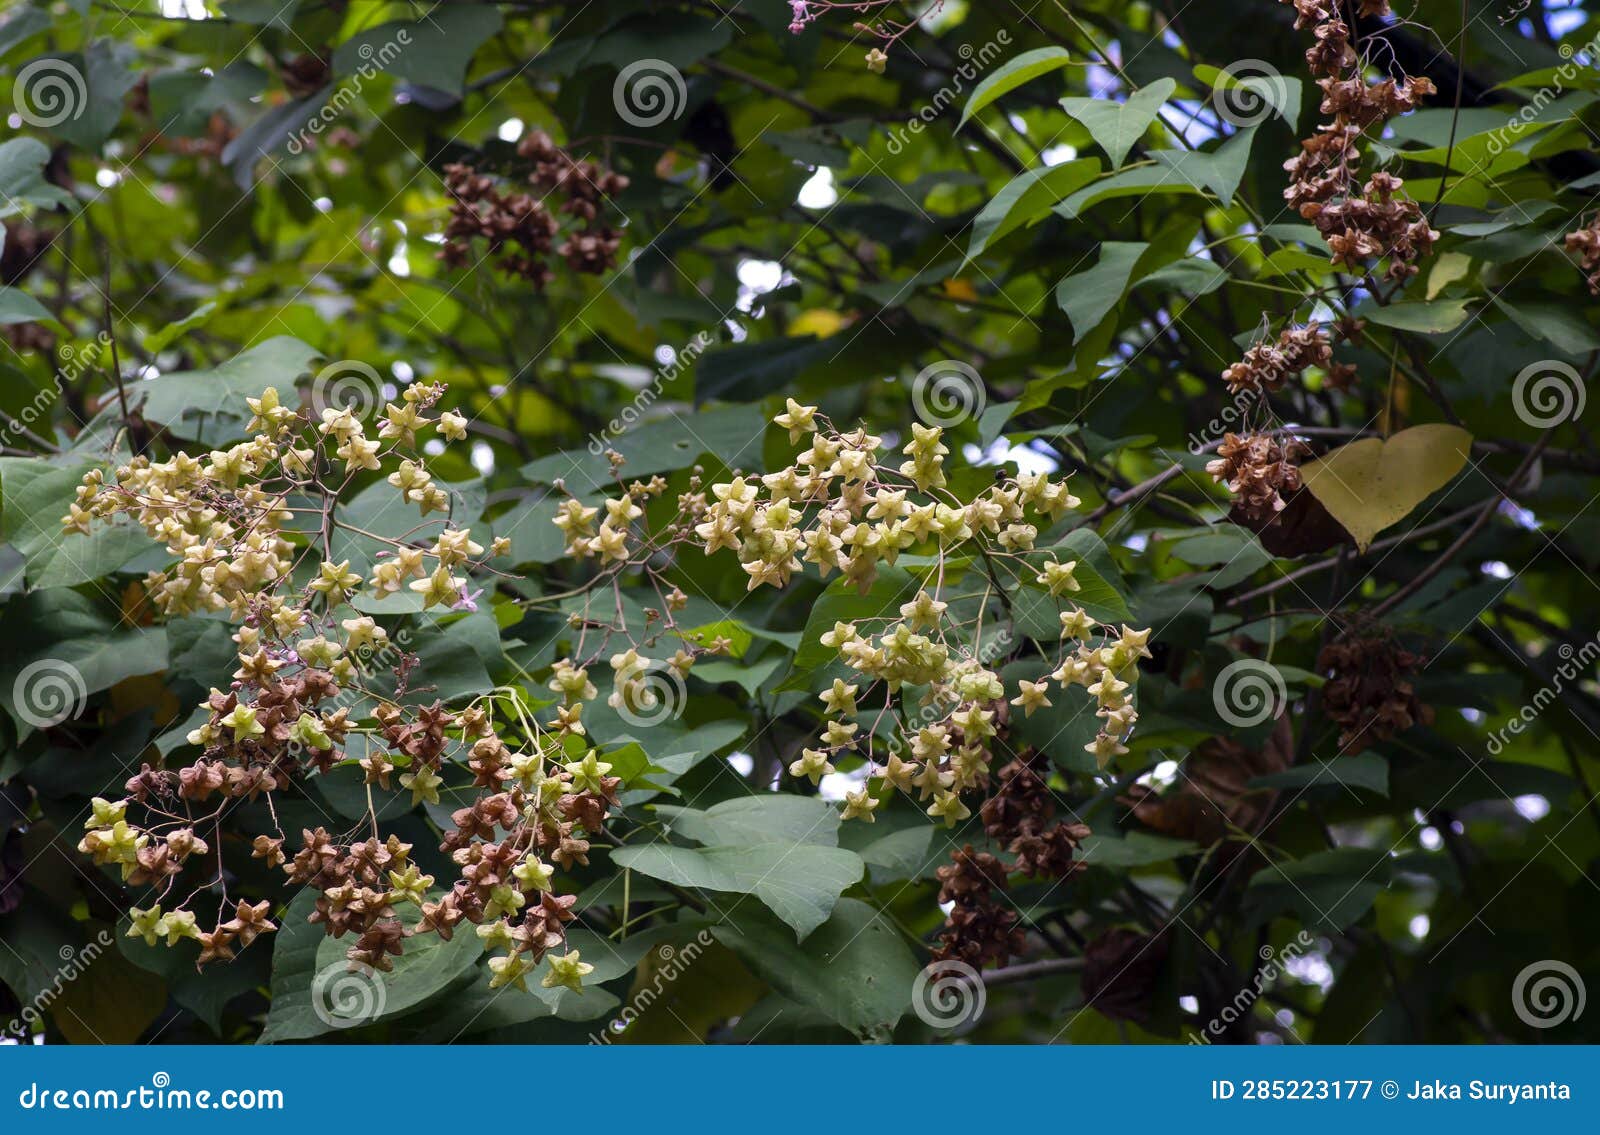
[
  {"x": 1136, "y": 849},
  {"x": 1025, "y": 67},
  {"x": 1089, "y": 296},
  {"x": 799, "y": 883},
  {"x": 313, "y": 993},
  {"x": 1327, "y": 891},
  {"x": 757, "y": 819},
  {"x": 855, "y": 969},
  {"x": 73, "y": 650},
  {"x": 1365, "y": 770},
  {"x": 34, "y": 496},
  {"x": 1194, "y": 275},
  {"x": 1250, "y": 88},
  {"x": 1137, "y": 181},
  {"x": 1430, "y": 317},
  {"x": 841, "y": 602},
  {"x": 22, "y": 162},
  {"x": 1026, "y": 199},
  {"x": 189, "y": 402},
  {"x": 732, "y": 434},
  {"x": 903, "y": 855},
  {"x": 16, "y": 306},
  {"x": 1219, "y": 170},
  {"x": 1116, "y": 126},
  {"x": 432, "y": 52}
]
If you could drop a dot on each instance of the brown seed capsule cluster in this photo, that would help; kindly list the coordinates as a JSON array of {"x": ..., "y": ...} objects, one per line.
[
  {"x": 1121, "y": 970},
  {"x": 1369, "y": 690},
  {"x": 520, "y": 228},
  {"x": 982, "y": 926},
  {"x": 1258, "y": 469},
  {"x": 1267, "y": 366},
  {"x": 1586, "y": 244},
  {"x": 1361, "y": 221}
]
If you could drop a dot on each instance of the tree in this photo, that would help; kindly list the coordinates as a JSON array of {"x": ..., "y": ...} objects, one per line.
[{"x": 835, "y": 522}]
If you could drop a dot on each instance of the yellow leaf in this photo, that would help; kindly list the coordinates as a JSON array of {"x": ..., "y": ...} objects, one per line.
[
  {"x": 1448, "y": 267},
  {"x": 1370, "y": 484},
  {"x": 960, "y": 289},
  {"x": 818, "y": 321}
]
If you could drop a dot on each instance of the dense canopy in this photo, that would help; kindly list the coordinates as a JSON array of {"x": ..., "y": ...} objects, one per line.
[{"x": 787, "y": 520}]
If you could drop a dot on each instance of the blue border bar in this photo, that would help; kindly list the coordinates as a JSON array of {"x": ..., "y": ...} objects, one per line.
[{"x": 733, "y": 1090}]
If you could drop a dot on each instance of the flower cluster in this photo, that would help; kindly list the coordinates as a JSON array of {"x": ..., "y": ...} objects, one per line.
[
  {"x": 1360, "y": 221},
  {"x": 251, "y": 530},
  {"x": 845, "y": 506},
  {"x": 520, "y": 229}
]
